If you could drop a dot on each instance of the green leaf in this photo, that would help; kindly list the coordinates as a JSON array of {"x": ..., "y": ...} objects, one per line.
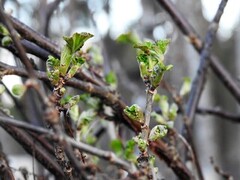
[
  {"x": 90, "y": 139},
  {"x": 111, "y": 79},
  {"x": 2, "y": 89},
  {"x": 186, "y": 87},
  {"x": 159, "y": 118},
  {"x": 73, "y": 101},
  {"x": 74, "y": 112},
  {"x": 76, "y": 41},
  {"x": 129, "y": 151},
  {"x": 3, "y": 30},
  {"x": 129, "y": 38},
  {"x": 6, "y": 41},
  {"x": 92, "y": 102},
  {"x": 96, "y": 55},
  {"x": 156, "y": 98},
  {"x": 65, "y": 60},
  {"x": 157, "y": 132},
  {"x": 19, "y": 89},
  {"x": 164, "y": 106},
  {"x": 117, "y": 147},
  {"x": 134, "y": 112},
  {"x": 86, "y": 117},
  {"x": 163, "y": 44},
  {"x": 141, "y": 143},
  {"x": 172, "y": 114},
  {"x": 52, "y": 66}
]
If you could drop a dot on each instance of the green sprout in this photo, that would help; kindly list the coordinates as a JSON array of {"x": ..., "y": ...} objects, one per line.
[
  {"x": 150, "y": 56},
  {"x": 71, "y": 59},
  {"x": 134, "y": 112},
  {"x": 158, "y": 132}
]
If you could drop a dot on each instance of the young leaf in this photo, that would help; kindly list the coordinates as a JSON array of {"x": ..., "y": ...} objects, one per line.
[
  {"x": 163, "y": 44},
  {"x": 129, "y": 37},
  {"x": 164, "y": 105},
  {"x": 65, "y": 60},
  {"x": 134, "y": 112},
  {"x": 111, "y": 79},
  {"x": 74, "y": 112},
  {"x": 129, "y": 150},
  {"x": 172, "y": 114},
  {"x": 19, "y": 89},
  {"x": 52, "y": 66},
  {"x": 6, "y": 41},
  {"x": 2, "y": 89},
  {"x": 159, "y": 118},
  {"x": 157, "y": 132},
  {"x": 3, "y": 30},
  {"x": 117, "y": 147},
  {"x": 76, "y": 41},
  {"x": 141, "y": 143},
  {"x": 186, "y": 87},
  {"x": 73, "y": 100}
]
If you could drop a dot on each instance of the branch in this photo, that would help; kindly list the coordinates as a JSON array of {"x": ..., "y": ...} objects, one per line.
[
  {"x": 219, "y": 112},
  {"x": 200, "y": 79},
  {"x": 15, "y": 38},
  {"x": 188, "y": 30},
  {"x": 110, "y": 156},
  {"x": 28, "y": 144}
]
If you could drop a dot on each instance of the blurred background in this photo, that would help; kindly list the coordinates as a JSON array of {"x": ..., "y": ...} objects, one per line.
[{"x": 215, "y": 136}]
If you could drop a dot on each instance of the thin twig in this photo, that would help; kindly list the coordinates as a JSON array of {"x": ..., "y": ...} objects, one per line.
[
  {"x": 189, "y": 31},
  {"x": 200, "y": 79},
  {"x": 220, "y": 171},
  {"x": 16, "y": 40}
]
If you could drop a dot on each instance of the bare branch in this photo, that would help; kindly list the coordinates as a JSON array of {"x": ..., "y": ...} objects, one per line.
[{"x": 188, "y": 30}]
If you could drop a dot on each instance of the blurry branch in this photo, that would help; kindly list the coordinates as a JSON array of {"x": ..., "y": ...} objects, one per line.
[
  {"x": 79, "y": 145},
  {"x": 220, "y": 113},
  {"x": 28, "y": 144},
  {"x": 218, "y": 170},
  {"x": 16, "y": 102},
  {"x": 21, "y": 51},
  {"x": 31, "y": 35},
  {"x": 48, "y": 12},
  {"x": 200, "y": 79},
  {"x": 160, "y": 148},
  {"x": 188, "y": 30},
  {"x": 5, "y": 171}
]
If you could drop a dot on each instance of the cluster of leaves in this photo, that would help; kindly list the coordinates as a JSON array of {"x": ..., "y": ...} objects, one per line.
[
  {"x": 150, "y": 56},
  {"x": 71, "y": 58}
]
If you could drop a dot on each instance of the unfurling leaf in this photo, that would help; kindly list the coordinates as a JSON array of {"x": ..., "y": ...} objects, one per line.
[
  {"x": 19, "y": 89},
  {"x": 157, "y": 132},
  {"x": 6, "y": 41},
  {"x": 73, "y": 100},
  {"x": 129, "y": 151},
  {"x": 129, "y": 37},
  {"x": 150, "y": 56},
  {"x": 164, "y": 105},
  {"x": 134, "y": 112},
  {"x": 3, "y": 30},
  {"x": 186, "y": 87},
  {"x": 65, "y": 60},
  {"x": 2, "y": 89},
  {"x": 52, "y": 66},
  {"x": 159, "y": 118},
  {"x": 111, "y": 79},
  {"x": 117, "y": 147},
  {"x": 76, "y": 41},
  {"x": 141, "y": 143},
  {"x": 172, "y": 114}
]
